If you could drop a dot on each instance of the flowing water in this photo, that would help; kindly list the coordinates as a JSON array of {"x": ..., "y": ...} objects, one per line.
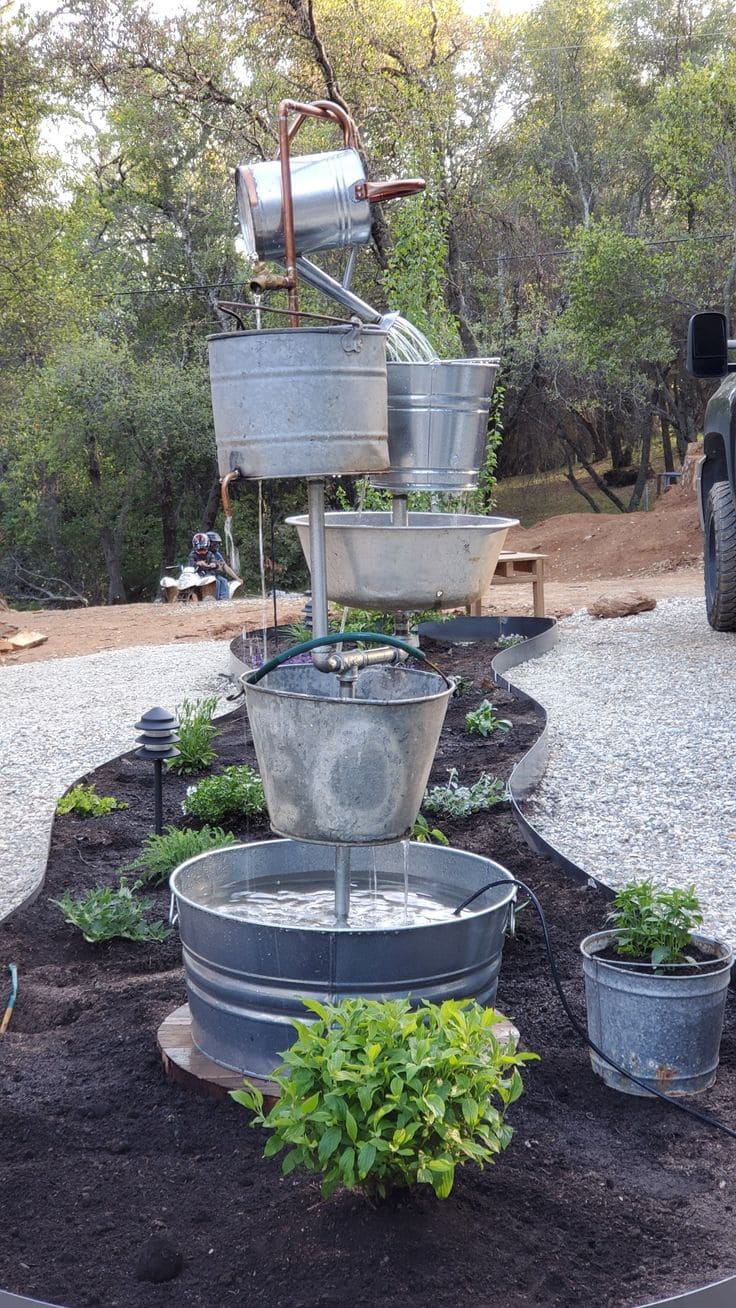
[
  {"x": 390, "y": 903},
  {"x": 406, "y": 344},
  {"x": 233, "y": 557}
]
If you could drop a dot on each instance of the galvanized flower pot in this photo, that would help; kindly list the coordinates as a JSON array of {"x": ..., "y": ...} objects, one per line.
[{"x": 663, "y": 1027}]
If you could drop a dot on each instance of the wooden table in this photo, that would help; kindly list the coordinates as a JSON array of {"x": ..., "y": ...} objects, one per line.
[{"x": 513, "y": 567}]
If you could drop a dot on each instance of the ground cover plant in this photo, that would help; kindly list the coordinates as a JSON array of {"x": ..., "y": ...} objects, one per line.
[
  {"x": 599, "y": 1200},
  {"x": 483, "y": 720},
  {"x": 106, "y": 914},
  {"x": 236, "y": 792},
  {"x": 85, "y": 802},
  {"x": 376, "y": 1095},
  {"x": 196, "y": 732},
  {"x": 456, "y": 800},
  {"x": 161, "y": 854},
  {"x": 426, "y": 835}
]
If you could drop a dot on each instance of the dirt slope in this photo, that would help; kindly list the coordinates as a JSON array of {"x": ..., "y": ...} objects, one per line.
[{"x": 589, "y": 555}]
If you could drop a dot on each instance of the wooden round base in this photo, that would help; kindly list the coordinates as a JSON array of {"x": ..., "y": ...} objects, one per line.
[{"x": 185, "y": 1063}]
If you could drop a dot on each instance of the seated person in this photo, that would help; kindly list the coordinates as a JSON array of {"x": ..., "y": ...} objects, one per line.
[
  {"x": 225, "y": 570},
  {"x": 201, "y": 557}
]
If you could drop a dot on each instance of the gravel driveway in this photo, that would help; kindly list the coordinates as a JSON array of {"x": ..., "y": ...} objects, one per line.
[
  {"x": 640, "y": 781},
  {"x": 63, "y": 717}
]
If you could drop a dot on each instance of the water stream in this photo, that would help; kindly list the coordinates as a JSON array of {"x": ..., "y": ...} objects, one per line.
[{"x": 406, "y": 344}]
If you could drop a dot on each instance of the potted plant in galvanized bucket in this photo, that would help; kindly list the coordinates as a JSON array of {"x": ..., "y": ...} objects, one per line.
[{"x": 655, "y": 992}]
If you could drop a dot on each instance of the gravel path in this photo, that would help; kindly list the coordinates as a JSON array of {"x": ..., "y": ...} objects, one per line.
[
  {"x": 640, "y": 781},
  {"x": 64, "y": 717}
]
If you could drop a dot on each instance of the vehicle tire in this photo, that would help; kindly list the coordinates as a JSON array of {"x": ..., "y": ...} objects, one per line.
[
  {"x": 189, "y": 597},
  {"x": 720, "y": 557}
]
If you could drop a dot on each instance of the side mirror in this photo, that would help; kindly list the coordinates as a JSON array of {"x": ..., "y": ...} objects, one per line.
[{"x": 707, "y": 345}]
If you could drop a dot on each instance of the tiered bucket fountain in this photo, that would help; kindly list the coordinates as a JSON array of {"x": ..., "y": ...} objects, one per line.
[{"x": 344, "y": 905}]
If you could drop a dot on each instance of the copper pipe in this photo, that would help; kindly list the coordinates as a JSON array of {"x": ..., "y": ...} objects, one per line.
[
  {"x": 287, "y": 212},
  {"x": 235, "y": 475}
]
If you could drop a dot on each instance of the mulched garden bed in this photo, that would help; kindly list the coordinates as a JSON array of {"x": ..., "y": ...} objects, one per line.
[{"x": 601, "y": 1201}]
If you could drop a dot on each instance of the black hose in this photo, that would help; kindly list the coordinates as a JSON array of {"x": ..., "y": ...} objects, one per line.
[{"x": 580, "y": 1030}]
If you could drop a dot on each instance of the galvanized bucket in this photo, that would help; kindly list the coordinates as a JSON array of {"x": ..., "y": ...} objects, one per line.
[
  {"x": 300, "y": 402},
  {"x": 245, "y": 980},
  {"x": 328, "y": 214},
  {"x": 345, "y": 771},
  {"x": 436, "y": 561},
  {"x": 664, "y": 1028},
  {"x": 437, "y": 424}
]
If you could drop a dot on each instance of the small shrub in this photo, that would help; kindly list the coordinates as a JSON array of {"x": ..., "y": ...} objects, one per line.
[
  {"x": 369, "y": 620},
  {"x": 107, "y": 914},
  {"x": 454, "y": 800},
  {"x": 161, "y": 854},
  {"x": 462, "y": 686},
  {"x": 85, "y": 802},
  {"x": 508, "y": 642},
  {"x": 236, "y": 792},
  {"x": 299, "y": 632},
  {"x": 427, "y": 835},
  {"x": 650, "y": 920},
  {"x": 196, "y": 732},
  {"x": 482, "y": 721},
  {"x": 376, "y": 1095}
]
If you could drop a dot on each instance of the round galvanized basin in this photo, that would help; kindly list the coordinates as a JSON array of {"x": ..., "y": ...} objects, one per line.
[
  {"x": 300, "y": 402},
  {"x": 437, "y": 424},
  {"x": 245, "y": 979},
  {"x": 345, "y": 771},
  {"x": 439, "y": 560}
]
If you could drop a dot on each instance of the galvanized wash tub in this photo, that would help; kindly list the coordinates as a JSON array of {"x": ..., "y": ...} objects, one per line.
[
  {"x": 345, "y": 771},
  {"x": 245, "y": 979},
  {"x": 438, "y": 560},
  {"x": 664, "y": 1028},
  {"x": 300, "y": 402},
  {"x": 437, "y": 424}
]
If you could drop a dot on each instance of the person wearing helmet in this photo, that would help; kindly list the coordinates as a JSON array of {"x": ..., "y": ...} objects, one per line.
[
  {"x": 224, "y": 570},
  {"x": 201, "y": 557}
]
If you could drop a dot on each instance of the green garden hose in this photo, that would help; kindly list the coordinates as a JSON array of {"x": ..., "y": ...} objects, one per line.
[{"x": 338, "y": 638}]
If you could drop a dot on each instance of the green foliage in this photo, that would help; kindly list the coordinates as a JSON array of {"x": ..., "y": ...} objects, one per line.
[
  {"x": 161, "y": 854},
  {"x": 482, "y": 721},
  {"x": 235, "y": 793},
  {"x": 85, "y": 802},
  {"x": 650, "y": 920},
  {"x": 414, "y": 280},
  {"x": 106, "y": 914},
  {"x": 508, "y": 642},
  {"x": 375, "y": 1095},
  {"x": 196, "y": 732},
  {"x": 299, "y": 632},
  {"x": 426, "y": 835},
  {"x": 454, "y": 800}
]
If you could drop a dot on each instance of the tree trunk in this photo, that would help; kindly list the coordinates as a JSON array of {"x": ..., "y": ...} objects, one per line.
[
  {"x": 455, "y": 298},
  {"x": 168, "y": 522},
  {"x": 641, "y": 480},
  {"x": 669, "y": 462},
  {"x": 578, "y": 487}
]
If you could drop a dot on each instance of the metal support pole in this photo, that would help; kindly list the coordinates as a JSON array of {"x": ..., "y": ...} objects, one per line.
[
  {"x": 158, "y": 797},
  {"x": 400, "y": 511},
  {"x": 318, "y": 555},
  {"x": 342, "y": 884}
]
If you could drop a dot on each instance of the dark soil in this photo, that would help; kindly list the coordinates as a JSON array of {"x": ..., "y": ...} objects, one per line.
[{"x": 111, "y": 1173}]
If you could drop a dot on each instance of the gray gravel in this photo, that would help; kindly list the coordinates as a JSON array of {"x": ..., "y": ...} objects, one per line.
[
  {"x": 640, "y": 781},
  {"x": 63, "y": 717}
]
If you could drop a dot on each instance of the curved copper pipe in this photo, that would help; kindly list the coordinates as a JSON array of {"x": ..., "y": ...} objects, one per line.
[{"x": 235, "y": 475}]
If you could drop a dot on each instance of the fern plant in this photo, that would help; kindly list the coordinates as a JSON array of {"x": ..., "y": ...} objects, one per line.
[{"x": 161, "y": 854}]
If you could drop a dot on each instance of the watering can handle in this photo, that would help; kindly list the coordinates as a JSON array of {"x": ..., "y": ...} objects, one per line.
[
  {"x": 377, "y": 192},
  {"x": 320, "y": 109}
]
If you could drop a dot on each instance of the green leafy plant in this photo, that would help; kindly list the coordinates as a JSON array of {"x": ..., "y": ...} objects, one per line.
[
  {"x": 376, "y": 1095},
  {"x": 161, "y": 854},
  {"x": 299, "y": 632},
  {"x": 650, "y": 920},
  {"x": 369, "y": 620},
  {"x": 508, "y": 642},
  {"x": 236, "y": 792},
  {"x": 483, "y": 721},
  {"x": 107, "y": 914},
  {"x": 196, "y": 732},
  {"x": 463, "y": 686},
  {"x": 454, "y": 800},
  {"x": 85, "y": 802},
  {"x": 426, "y": 835}
]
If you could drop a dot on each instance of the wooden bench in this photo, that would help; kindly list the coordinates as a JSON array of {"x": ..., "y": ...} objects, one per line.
[{"x": 513, "y": 567}]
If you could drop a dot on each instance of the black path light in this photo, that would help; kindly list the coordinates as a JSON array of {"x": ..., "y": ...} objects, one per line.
[{"x": 158, "y": 742}]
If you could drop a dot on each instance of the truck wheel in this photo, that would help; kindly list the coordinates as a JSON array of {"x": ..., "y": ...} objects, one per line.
[{"x": 720, "y": 557}]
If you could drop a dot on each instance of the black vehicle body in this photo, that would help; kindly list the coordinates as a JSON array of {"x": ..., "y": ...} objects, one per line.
[{"x": 707, "y": 357}]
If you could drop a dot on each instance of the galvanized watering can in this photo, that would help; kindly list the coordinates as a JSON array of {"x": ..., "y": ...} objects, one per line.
[
  {"x": 314, "y": 201},
  {"x": 437, "y": 424},
  {"x": 345, "y": 771},
  {"x": 306, "y": 402}
]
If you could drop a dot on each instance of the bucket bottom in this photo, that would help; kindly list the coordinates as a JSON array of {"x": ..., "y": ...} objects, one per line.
[{"x": 665, "y": 1079}]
